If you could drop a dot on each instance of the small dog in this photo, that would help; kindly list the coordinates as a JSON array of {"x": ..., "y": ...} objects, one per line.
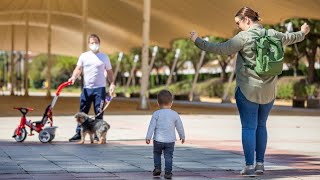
[{"x": 92, "y": 126}]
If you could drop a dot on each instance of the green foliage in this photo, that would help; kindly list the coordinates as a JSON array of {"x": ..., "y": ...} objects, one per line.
[
  {"x": 131, "y": 89},
  {"x": 311, "y": 90},
  {"x": 285, "y": 91},
  {"x": 179, "y": 88},
  {"x": 216, "y": 88},
  {"x": 188, "y": 51},
  {"x": 160, "y": 57},
  {"x": 299, "y": 89},
  {"x": 61, "y": 71},
  {"x": 37, "y": 73},
  {"x": 288, "y": 87}
]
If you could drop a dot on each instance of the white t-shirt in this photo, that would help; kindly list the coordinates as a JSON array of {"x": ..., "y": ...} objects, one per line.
[{"x": 94, "y": 67}]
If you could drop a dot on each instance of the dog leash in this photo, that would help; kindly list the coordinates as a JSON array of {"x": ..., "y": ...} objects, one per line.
[{"x": 108, "y": 100}]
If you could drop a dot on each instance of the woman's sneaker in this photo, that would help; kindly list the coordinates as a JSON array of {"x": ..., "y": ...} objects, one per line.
[
  {"x": 156, "y": 172},
  {"x": 259, "y": 168},
  {"x": 248, "y": 171}
]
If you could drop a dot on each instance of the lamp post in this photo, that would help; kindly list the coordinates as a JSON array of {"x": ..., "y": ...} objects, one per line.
[
  {"x": 176, "y": 57},
  {"x": 154, "y": 54},
  {"x": 120, "y": 56},
  {"x": 135, "y": 60},
  {"x": 289, "y": 27},
  {"x": 197, "y": 69}
]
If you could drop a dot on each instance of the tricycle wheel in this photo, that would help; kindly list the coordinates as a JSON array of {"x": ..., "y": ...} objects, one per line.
[
  {"x": 22, "y": 136},
  {"x": 44, "y": 136}
]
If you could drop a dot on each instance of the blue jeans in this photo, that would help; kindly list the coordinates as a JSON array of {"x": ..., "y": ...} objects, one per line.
[
  {"x": 167, "y": 149},
  {"x": 96, "y": 96},
  {"x": 254, "y": 131}
]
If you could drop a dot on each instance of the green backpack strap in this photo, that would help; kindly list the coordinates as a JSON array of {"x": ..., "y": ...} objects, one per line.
[{"x": 246, "y": 64}]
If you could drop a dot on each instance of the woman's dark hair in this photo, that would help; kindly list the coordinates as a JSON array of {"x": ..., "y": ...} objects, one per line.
[
  {"x": 164, "y": 97},
  {"x": 93, "y": 36},
  {"x": 250, "y": 13}
]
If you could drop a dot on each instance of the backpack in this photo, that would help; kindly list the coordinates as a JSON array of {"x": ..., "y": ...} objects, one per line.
[{"x": 269, "y": 55}]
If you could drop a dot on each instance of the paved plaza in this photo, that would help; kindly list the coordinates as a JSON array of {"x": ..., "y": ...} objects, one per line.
[{"x": 212, "y": 150}]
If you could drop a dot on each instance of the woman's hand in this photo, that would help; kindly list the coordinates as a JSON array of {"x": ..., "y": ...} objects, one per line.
[
  {"x": 305, "y": 28},
  {"x": 193, "y": 35}
]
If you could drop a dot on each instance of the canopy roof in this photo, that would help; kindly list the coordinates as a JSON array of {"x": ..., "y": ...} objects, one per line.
[{"x": 119, "y": 22}]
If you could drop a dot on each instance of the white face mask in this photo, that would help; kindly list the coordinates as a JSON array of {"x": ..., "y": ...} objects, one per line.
[{"x": 94, "y": 47}]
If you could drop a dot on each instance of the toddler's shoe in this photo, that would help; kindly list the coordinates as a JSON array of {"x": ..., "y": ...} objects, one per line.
[
  {"x": 168, "y": 175},
  {"x": 156, "y": 172}
]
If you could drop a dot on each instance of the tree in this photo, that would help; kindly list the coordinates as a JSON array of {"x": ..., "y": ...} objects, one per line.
[
  {"x": 62, "y": 70},
  {"x": 308, "y": 47},
  {"x": 36, "y": 73},
  {"x": 159, "y": 61},
  {"x": 224, "y": 60}
]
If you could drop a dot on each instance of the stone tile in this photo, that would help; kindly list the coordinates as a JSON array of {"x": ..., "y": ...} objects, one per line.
[
  {"x": 93, "y": 175},
  {"x": 15, "y": 176}
]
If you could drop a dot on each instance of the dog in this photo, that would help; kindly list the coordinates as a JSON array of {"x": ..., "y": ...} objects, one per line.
[{"x": 92, "y": 126}]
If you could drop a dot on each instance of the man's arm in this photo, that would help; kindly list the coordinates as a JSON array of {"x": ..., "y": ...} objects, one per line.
[
  {"x": 110, "y": 76},
  {"x": 76, "y": 73},
  {"x": 111, "y": 81}
]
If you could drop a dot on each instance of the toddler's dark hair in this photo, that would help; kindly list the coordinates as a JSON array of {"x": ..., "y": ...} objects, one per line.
[{"x": 164, "y": 97}]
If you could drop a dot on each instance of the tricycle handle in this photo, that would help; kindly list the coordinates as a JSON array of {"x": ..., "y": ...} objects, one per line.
[{"x": 61, "y": 86}]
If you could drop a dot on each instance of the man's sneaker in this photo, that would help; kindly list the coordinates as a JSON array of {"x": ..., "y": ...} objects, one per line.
[
  {"x": 248, "y": 171},
  {"x": 156, "y": 172},
  {"x": 76, "y": 137},
  {"x": 168, "y": 175},
  {"x": 259, "y": 168}
]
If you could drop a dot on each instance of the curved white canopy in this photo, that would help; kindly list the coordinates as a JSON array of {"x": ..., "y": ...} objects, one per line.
[{"x": 119, "y": 22}]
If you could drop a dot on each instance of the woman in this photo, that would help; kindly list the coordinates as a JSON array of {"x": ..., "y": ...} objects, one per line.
[{"x": 254, "y": 94}]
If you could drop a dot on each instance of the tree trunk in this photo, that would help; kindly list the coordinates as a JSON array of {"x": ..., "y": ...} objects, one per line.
[
  {"x": 295, "y": 67},
  {"x": 223, "y": 66},
  {"x": 311, "y": 56}
]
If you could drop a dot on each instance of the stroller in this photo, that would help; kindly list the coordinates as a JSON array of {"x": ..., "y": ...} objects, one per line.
[{"x": 46, "y": 134}]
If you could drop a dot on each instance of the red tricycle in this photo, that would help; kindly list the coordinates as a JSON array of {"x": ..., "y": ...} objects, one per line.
[{"x": 46, "y": 134}]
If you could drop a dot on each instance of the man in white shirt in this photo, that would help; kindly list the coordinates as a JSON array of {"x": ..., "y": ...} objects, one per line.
[{"x": 93, "y": 64}]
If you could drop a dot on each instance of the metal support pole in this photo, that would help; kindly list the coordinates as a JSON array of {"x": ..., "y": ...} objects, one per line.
[
  {"x": 49, "y": 48},
  {"x": 84, "y": 30},
  {"x": 26, "y": 59},
  {"x": 12, "y": 62},
  {"x": 143, "y": 103}
]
